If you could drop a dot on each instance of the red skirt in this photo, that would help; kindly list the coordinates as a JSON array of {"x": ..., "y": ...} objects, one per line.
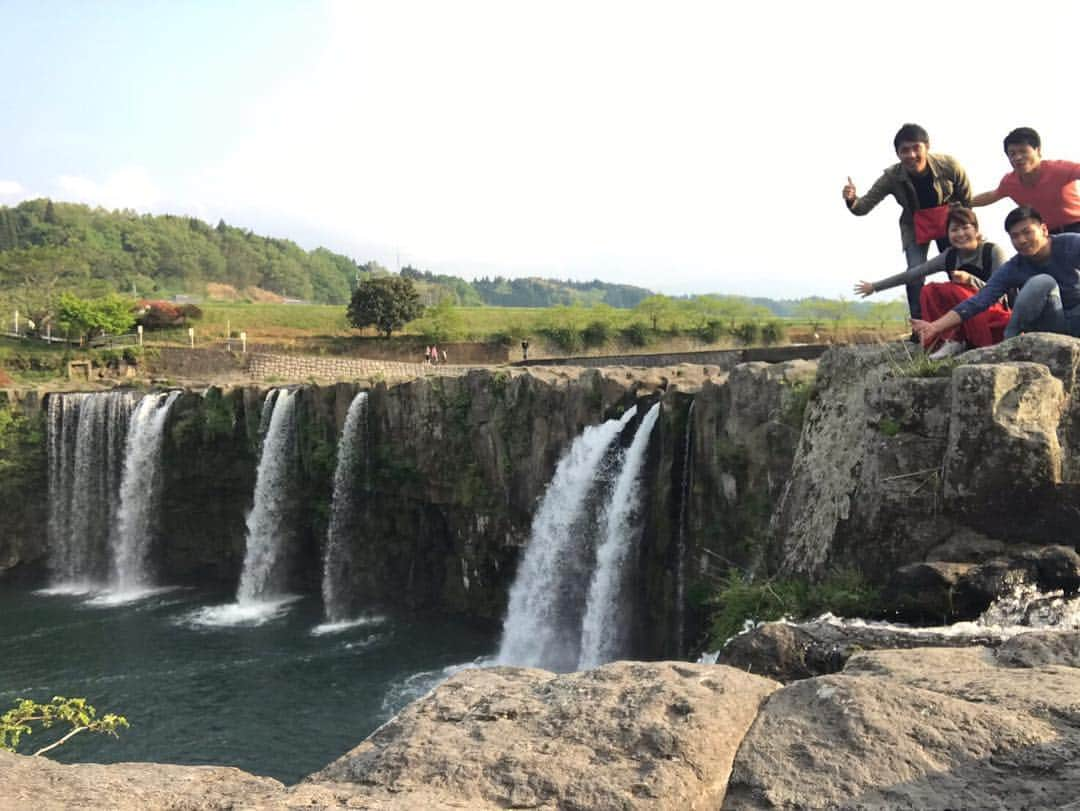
[{"x": 985, "y": 329}]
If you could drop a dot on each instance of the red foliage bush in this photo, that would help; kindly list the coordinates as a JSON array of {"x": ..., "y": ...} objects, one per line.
[{"x": 159, "y": 314}]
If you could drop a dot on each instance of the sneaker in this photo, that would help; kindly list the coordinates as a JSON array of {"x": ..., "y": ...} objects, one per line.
[{"x": 947, "y": 350}]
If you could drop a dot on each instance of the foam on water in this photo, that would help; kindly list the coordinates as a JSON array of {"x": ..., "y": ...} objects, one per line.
[
  {"x": 249, "y": 613},
  {"x": 420, "y": 684},
  {"x": 114, "y": 597},
  {"x": 1021, "y": 611},
  {"x": 69, "y": 589},
  {"x": 344, "y": 625}
]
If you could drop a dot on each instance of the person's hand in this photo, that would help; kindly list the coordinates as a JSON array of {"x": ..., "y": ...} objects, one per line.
[
  {"x": 865, "y": 289},
  {"x": 962, "y": 277},
  {"x": 849, "y": 191},
  {"x": 924, "y": 329}
]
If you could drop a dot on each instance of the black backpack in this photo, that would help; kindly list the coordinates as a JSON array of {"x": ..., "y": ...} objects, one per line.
[{"x": 952, "y": 256}]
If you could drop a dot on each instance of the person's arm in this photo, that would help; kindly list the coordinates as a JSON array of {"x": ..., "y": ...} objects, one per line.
[
  {"x": 929, "y": 330},
  {"x": 1000, "y": 281},
  {"x": 1072, "y": 170},
  {"x": 986, "y": 198},
  {"x": 863, "y": 205},
  {"x": 998, "y": 257},
  {"x": 865, "y": 289},
  {"x": 961, "y": 188}
]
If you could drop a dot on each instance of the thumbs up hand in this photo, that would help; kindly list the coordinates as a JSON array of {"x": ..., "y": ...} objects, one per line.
[{"x": 849, "y": 190}]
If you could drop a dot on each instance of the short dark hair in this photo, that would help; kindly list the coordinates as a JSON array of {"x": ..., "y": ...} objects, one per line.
[
  {"x": 962, "y": 215},
  {"x": 1020, "y": 214},
  {"x": 910, "y": 132},
  {"x": 1023, "y": 135}
]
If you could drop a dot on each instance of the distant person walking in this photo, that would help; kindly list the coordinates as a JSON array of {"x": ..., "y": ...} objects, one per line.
[
  {"x": 1048, "y": 186},
  {"x": 434, "y": 353},
  {"x": 444, "y": 356},
  {"x": 923, "y": 184},
  {"x": 524, "y": 350},
  {"x": 427, "y": 354}
]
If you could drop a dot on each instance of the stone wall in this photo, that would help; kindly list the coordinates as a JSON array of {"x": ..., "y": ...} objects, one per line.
[
  {"x": 207, "y": 364},
  {"x": 725, "y": 359},
  {"x": 303, "y": 367},
  {"x": 177, "y": 361}
]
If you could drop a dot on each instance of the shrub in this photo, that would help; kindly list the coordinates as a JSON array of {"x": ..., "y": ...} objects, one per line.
[
  {"x": 845, "y": 593},
  {"x": 160, "y": 314},
  {"x": 747, "y": 332},
  {"x": 636, "y": 334},
  {"x": 565, "y": 338},
  {"x": 596, "y": 333},
  {"x": 191, "y": 311},
  {"x": 773, "y": 333},
  {"x": 711, "y": 331}
]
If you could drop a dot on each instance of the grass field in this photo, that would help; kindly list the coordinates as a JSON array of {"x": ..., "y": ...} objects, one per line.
[
  {"x": 464, "y": 323},
  {"x": 552, "y": 332}
]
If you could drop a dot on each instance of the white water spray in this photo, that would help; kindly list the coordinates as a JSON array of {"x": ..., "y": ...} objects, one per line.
[
  {"x": 139, "y": 489},
  {"x": 266, "y": 529},
  {"x": 87, "y": 434},
  {"x": 337, "y": 562},
  {"x": 603, "y": 636},
  {"x": 536, "y": 633}
]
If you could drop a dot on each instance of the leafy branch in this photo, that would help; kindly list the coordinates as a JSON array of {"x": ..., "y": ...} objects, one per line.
[{"x": 74, "y": 711}]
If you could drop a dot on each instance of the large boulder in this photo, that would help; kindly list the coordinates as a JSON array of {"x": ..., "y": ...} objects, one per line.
[
  {"x": 927, "y": 729},
  {"x": 40, "y": 783},
  {"x": 627, "y": 735}
]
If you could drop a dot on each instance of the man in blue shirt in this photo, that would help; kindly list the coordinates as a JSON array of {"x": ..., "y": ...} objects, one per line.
[{"x": 1046, "y": 269}]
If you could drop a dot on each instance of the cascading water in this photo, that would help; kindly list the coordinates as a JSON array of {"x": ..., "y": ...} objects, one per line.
[
  {"x": 603, "y": 637},
  {"x": 337, "y": 562},
  {"x": 87, "y": 437},
  {"x": 266, "y": 529},
  {"x": 537, "y": 631},
  {"x": 139, "y": 489},
  {"x": 680, "y": 565}
]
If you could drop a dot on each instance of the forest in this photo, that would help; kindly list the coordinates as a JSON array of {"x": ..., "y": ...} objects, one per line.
[{"x": 49, "y": 247}]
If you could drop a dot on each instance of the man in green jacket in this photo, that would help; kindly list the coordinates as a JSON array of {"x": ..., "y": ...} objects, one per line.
[{"x": 920, "y": 180}]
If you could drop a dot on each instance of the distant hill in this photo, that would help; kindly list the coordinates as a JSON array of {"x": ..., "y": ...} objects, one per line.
[
  {"x": 48, "y": 247},
  {"x": 100, "y": 250},
  {"x": 532, "y": 291}
]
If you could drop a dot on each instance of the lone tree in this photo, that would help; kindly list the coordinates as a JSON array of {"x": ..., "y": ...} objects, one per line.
[{"x": 387, "y": 303}]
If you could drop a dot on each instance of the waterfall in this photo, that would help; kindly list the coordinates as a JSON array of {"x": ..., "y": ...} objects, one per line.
[
  {"x": 135, "y": 524},
  {"x": 684, "y": 499},
  {"x": 87, "y": 436},
  {"x": 537, "y": 631},
  {"x": 337, "y": 562},
  {"x": 603, "y": 636},
  {"x": 266, "y": 530}
]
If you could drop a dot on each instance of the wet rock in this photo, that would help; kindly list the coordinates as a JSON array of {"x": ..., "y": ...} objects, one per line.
[
  {"x": 923, "y": 592},
  {"x": 792, "y": 651}
]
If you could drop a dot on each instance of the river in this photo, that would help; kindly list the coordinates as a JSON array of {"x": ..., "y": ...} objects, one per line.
[{"x": 279, "y": 698}]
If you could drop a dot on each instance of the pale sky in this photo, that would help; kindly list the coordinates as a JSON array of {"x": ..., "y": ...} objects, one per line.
[{"x": 688, "y": 147}]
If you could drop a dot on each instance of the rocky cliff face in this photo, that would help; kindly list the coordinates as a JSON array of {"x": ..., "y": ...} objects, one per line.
[
  {"x": 964, "y": 466},
  {"x": 451, "y": 472},
  {"x": 888, "y": 469}
]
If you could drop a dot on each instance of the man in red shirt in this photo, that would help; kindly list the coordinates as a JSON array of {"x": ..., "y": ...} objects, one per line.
[{"x": 1048, "y": 186}]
